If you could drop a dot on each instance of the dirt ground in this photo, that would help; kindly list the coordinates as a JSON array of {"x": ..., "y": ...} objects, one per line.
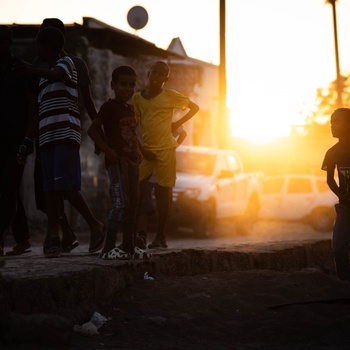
[
  {"x": 232, "y": 310},
  {"x": 238, "y": 310}
]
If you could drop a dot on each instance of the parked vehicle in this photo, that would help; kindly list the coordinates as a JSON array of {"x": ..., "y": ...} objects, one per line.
[
  {"x": 212, "y": 184},
  {"x": 301, "y": 197}
]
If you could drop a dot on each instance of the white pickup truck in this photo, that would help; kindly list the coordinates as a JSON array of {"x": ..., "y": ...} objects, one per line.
[
  {"x": 211, "y": 184},
  {"x": 298, "y": 197}
]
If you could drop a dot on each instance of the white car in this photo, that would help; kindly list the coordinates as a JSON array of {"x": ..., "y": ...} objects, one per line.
[
  {"x": 301, "y": 197},
  {"x": 211, "y": 184}
]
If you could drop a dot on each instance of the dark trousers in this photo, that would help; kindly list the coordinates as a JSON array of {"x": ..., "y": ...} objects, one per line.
[
  {"x": 341, "y": 241},
  {"x": 124, "y": 191},
  {"x": 12, "y": 212},
  {"x": 124, "y": 196}
]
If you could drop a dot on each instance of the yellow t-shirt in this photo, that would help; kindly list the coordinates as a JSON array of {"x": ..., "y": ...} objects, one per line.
[{"x": 155, "y": 116}]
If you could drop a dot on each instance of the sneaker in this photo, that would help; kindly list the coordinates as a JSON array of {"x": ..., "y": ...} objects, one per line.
[
  {"x": 52, "y": 247},
  {"x": 69, "y": 238},
  {"x": 121, "y": 246},
  {"x": 141, "y": 254},
  {"x": 115, "y": 254},
  {"x": 140, "y": 240},
  {"x": 97, "y": 238},
  {"x": 67, "y": 247},
  {"x": 20, "y": 248},
  {"x": 158, "y": 243}
]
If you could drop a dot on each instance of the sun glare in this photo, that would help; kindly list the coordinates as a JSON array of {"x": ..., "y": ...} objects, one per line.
[
  {"x": 261, "y": 121},
  {"x": 258, "y": 131}
]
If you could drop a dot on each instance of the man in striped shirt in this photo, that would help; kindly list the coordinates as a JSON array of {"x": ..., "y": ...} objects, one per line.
[
  {"x": 69, "y": 238},
  {"x": 59, "y": 139}
]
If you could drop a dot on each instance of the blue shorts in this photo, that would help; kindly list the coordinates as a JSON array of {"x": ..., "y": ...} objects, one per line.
[{"x": 61, "y": 168}]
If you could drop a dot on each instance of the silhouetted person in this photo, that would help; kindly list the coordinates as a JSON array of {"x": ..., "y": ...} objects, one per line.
[
  {"x": 147, "y": 208},
  {"x": 69, "y": 238},
  {"x": 17, "y": 103},
  {"x": 338, "y": 157},
  {"x": 120, "y": 146},
  {"x": 154, "y": 110},
  {"x": 59, "y": 139}
]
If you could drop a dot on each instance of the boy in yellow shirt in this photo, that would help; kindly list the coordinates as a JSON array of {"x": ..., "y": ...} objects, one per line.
[{"x": 154, "y": 109}]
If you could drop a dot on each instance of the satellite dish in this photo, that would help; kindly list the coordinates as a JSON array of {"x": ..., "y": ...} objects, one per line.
[{"x": 137, "y": 17}]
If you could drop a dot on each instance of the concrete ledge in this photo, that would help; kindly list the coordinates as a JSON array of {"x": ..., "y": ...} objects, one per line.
[
  {"x": 33, "y": 284},
  {"x": 278, "y": 256}
]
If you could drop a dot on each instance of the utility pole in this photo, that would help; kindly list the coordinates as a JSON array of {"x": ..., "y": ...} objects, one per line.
[
  {"x": 338, "y": 76},
  {"x": 224, "y": 131}
]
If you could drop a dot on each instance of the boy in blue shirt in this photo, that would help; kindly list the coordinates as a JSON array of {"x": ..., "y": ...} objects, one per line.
[{"x": 121, "y": 150}]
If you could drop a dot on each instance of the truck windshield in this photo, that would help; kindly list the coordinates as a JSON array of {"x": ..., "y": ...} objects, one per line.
[{"x": 195, "y": 163}]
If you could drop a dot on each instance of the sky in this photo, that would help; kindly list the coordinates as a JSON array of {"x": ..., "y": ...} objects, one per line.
[{"x": 277, "y": 51}]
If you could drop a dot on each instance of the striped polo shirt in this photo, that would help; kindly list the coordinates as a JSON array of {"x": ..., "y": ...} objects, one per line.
[{"x": 59, "y": 118}]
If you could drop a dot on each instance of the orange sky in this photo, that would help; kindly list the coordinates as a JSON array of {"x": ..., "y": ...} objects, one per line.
[{"x": 278, "y": 52}]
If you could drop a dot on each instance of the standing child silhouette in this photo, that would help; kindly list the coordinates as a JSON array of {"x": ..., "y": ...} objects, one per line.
[
  {"x": 338, "y": 157},
  {"x": 120, "y": 146},
  {"x": 154, "y": 110},
  {"x": 59, "y": 130}
]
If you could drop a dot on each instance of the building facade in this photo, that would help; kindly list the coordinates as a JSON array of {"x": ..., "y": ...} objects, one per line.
[{"x": 103, "y": 48}]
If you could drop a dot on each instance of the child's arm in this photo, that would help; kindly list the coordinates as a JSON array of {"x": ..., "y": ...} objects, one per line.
[
  {"x": 95, "y": 132},
  {"x": 193, "y": 109},
  {"x": 181, "y": 137},
  {"x": 332, "y": 183},
  {"x": 146, "y": 153},
  {"x": 26, "y": 148},
  {"x": 54, "y": 74}
]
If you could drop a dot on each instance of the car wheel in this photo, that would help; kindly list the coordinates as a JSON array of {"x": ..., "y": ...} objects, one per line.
[
  {"x": 322, "y": 219},
  {"x": 205, "y": 227}
]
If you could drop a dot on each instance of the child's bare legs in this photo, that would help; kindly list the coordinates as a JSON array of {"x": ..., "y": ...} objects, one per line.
[
  {"x": 340, "y": 242},
  {"x": 69, "y": 238},
  {"x": 113, "y": 228},
  {"x": 52, "y": 244},
  {"x": 78, "y": 202},
  {"x": 164, "y": 200},
  {"x": 97, "y": 228},
  {"x": 141, "y": 221},
  {"x": 53, "y": 213},
  {"x": 146, "y": 209}
]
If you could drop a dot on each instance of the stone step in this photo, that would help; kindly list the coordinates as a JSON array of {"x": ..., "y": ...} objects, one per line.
[{"x": 32, "y": 284}]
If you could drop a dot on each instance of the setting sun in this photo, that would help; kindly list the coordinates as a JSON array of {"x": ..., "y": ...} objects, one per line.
[
  {"x": 259, "y": 132},
  {"x": 277, "y": 52},
  {"x": 275, "y": 65}
]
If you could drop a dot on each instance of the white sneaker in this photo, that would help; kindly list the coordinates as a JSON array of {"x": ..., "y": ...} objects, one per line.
[
  {"x": 115, "y": 254},
  {"x": 141, "y": 254}
]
